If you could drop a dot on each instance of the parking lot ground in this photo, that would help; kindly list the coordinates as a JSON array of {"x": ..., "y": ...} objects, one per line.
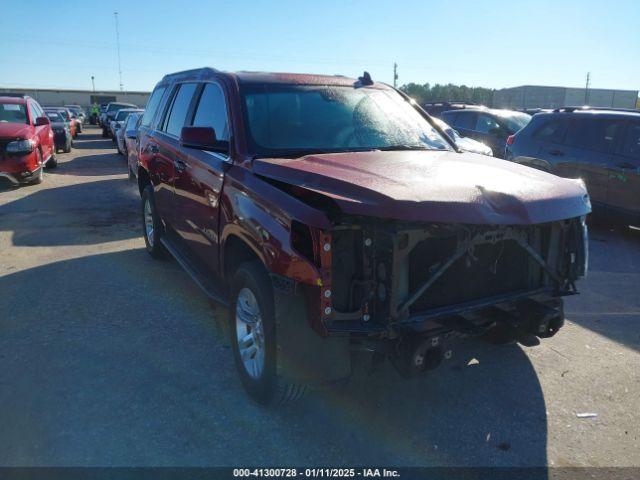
[{"x": 108, "y": 357}]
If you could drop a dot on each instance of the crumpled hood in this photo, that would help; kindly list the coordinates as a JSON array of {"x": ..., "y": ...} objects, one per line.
[
  {"x": 15, "y": 130},
  {"x": 433, "y": 186}
]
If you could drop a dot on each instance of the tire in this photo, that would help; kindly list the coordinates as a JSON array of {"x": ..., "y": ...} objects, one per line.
[
  {"x": 152, "y": 227},
  {"x": 53, "y": 162},
  {"x": 67, "y": 147},
  {"x": 252, "y": 297},
  {"x": 79, "y": 128},
  {"x": 118, "y": 148},
  {"x": 104, "y": 133}
]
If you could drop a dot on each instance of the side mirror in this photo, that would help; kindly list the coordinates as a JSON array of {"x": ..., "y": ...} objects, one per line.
[
  {"x": 41, "y": 121},
  {"x": 202, "y": 138},
  {"x": 117, "y": 126},
  {"x": 132, "y": 134}
]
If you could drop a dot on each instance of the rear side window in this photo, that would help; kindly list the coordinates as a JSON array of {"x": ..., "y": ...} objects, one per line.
[
  {"x": 631, "y": 142},
  {"x": 177, "y": 116},
  {"x": 450, "y": 117},
  {"x": 152, "y": 106},
  {"x": 466, "y": 120},
  {"x": 212, "y": 111},
  {"x": 486, "y": 124},
  {"x": 597, "y": 134},
  {"x": 549, "y": 132}
]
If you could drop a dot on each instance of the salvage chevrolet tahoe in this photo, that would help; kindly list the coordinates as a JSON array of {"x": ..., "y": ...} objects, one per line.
[{"x": 330, "y": 214}]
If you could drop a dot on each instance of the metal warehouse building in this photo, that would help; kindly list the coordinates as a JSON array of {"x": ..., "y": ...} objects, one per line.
[
  {"x": 84, "y": 98},
  {"x": 533, "y": 96}
]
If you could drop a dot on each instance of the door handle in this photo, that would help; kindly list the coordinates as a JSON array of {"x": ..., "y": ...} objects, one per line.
[
  {"x": 626, "y": 165},
  {"x": 556, "y": 153},
  {"x": 180, "y": 165}
]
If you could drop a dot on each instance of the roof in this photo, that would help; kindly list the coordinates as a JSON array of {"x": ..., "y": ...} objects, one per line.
[
  {"x": 244, "y": 77},
  {"x": 594, "y": 111},
  {"x": 18, "y": 100}
]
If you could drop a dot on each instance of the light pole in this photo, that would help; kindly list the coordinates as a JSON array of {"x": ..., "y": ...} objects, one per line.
[{"x": 93, "y": 83}]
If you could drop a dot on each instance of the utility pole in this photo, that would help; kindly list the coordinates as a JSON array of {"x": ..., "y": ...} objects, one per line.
[
  {"x": 586, "y": 89},
  {"x": 115, "y": 14},
  {"x": 395, "y": 75},
  {"x": 93, "y": 83}
]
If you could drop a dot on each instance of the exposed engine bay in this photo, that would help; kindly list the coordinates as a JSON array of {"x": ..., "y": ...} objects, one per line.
[{"x": 405, "y": 288}]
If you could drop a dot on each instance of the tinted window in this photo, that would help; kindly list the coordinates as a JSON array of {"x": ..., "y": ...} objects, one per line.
[
  {"x": 212, "y": 111},
  {"x": 549, "y": 131},
  {"x": 131, "y": 121},
  {"x": 595, "y": 134},
  {"x": 152, "y": 106},
  {"x": 179, "y": 109},
  {"x": 631, "y": 143},
  {"x": 485, "y": 124},
  {"x": 450, "y": 117},
  {"x": 466, "y": 120}
]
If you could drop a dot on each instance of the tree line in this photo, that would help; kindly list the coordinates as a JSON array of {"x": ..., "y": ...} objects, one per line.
[{"x": 448, "y": 93}]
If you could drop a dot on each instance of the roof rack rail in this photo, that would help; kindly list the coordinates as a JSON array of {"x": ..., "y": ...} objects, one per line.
[
  {"x": 570, "y": 109},
  {"x": 195, "y": 72}
]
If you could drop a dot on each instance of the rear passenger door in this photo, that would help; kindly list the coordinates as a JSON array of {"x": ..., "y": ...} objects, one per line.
[
  {"x": 199, "y": 180},
  {"x": 588, "y": 149},
  {"x": 167, "y": 154},
  {"x": 624, "y": 172}
]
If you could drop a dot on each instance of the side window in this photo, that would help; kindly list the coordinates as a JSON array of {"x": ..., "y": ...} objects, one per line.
[
  {"x": 466, "y": 120},
  {"x": 152, "y": 106},
  {"x": 549, "y": 132},
  {"x": 631, "y": 142},
  {"x": 450, "y": 117},
  {"x": 597, "y": 134},
  {"x": 177, "y": 116},
  {"x": 212, "y": 111},
  {"x": 36, "y": 111},
  {"x": 485, "y": 124}
]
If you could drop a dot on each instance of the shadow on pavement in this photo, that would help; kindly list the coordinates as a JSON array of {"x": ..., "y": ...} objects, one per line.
[
  {"x": 118, "y": 361},
  {"x": 83, "y": 213},
  {"x": 609, "y": 300},
  {"x": 91, "y": 165}
]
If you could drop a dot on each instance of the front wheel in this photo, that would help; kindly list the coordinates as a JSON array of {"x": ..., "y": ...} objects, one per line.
[
  {"x": 53, "y": 161},
  {"x": 152, "y": 225},
  {"x": 253, "y": 337}
]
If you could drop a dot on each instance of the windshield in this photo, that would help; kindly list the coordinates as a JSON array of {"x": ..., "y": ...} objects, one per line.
[
  {"x": 514, "y": 121},
  {"x": 13, "y": 113},
  {"x": 288, "y": 119},
  {"x": 116, "y": 106},
  {"x": 121, "y": 115},
  {"x": 54, "y": 116}
]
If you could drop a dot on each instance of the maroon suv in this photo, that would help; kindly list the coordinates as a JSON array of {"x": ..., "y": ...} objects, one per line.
[{"x": 330, "y": 214}]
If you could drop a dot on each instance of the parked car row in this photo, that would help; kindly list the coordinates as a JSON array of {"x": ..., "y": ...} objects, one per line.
[
  {"x": 332, "y": 214},
  {"x": 109, "y": 113}
]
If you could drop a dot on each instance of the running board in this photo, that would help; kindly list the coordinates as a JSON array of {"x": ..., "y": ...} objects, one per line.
[{"x": 208, "y": 286}]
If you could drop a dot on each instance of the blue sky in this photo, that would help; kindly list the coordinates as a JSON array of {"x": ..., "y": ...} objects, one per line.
[{"x": 491, "y": 43}]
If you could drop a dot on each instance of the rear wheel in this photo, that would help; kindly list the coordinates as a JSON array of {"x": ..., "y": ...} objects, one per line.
[
  {"x": 152, "y": 225},
  {"x": 67, "y": 147},
  {"x": 104, "y": 133},
  {"x": 252, "y": 328}
]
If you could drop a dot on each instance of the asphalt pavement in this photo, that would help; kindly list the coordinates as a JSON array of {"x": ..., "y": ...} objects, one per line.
[{"x": 111, "y": 358}]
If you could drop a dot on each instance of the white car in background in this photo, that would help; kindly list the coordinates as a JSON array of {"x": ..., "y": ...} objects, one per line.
[
  {"x": 119, "y": 119},
  {"x": 465, "y": 144}
]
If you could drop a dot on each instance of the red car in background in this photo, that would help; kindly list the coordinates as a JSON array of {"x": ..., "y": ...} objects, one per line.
[{"x": 26, "y": 141}]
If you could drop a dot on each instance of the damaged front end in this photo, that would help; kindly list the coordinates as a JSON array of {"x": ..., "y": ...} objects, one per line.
[{"x": 403, "y": 289}]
